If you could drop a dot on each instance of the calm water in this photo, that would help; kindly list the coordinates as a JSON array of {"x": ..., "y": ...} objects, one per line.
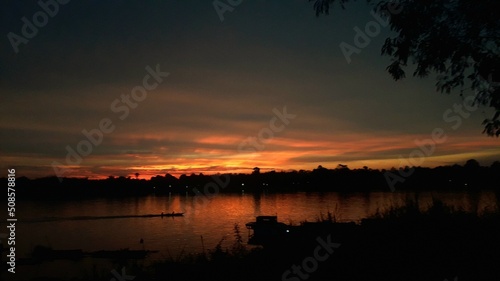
[{"x": 51, "y": 223}]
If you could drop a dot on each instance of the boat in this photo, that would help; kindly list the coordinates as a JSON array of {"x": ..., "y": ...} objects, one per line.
[
  {"x": 267, "y": 229},
  {"x": 173, "y": 214}
]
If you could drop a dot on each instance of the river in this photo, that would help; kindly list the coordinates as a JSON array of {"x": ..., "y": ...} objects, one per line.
[{"x": 61, "y": 224}]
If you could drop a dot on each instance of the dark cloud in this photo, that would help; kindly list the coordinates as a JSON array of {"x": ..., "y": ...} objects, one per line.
[{"x": 226, "y": 79}]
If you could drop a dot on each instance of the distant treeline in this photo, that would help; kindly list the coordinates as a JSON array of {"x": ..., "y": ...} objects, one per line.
[{"x": 471, "y": 176}]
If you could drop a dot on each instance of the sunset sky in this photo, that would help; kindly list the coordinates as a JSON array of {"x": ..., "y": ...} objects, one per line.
[{"x": 227, "y": 79}]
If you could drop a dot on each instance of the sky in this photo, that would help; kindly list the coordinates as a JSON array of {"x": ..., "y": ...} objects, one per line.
[{"x": 262, "y": 84}]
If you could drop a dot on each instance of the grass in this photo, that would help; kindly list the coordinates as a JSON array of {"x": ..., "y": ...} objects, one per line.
[{"x": 437, "y": 210}]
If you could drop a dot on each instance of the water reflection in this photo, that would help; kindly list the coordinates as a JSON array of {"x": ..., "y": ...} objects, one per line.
[{"x": 213, "y": 218}]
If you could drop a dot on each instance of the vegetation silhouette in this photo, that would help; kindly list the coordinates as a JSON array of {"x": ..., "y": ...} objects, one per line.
[
  {"x": 470, "y": 177},
  {"x": 458, "y": 40}
]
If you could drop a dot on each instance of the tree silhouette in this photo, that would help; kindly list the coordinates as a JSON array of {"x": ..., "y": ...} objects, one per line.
[
  {"x": 136, "y": 175},
  {"x": 341, "y": 166},
  {"x": 472, "y": 164},
  {"x": 459, "y": 40},
  {"x": 256, "y": 171}
]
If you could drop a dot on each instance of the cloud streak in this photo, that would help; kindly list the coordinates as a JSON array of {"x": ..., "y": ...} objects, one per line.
[{"x": 225, "y": 80}]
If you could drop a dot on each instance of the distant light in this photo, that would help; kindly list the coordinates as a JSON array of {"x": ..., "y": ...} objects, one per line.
[
  {"x": 287, "y": 230},
  {"x": 242, "y": 184},
  {"x": 154, "y": 187}
]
